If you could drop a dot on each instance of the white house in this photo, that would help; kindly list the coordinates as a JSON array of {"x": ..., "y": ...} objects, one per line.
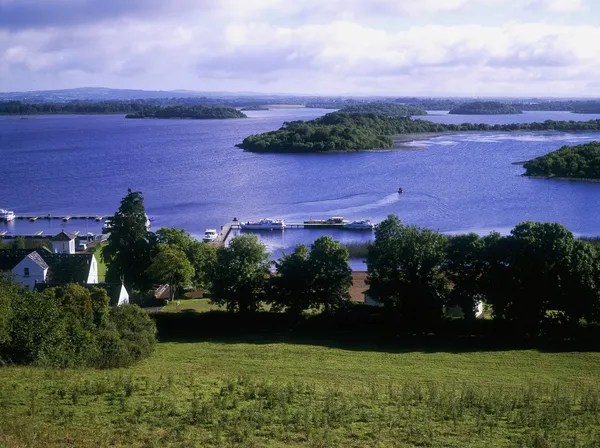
[
  {"x": 63, "y": 243},
  {"x": 30, "y": 270}
]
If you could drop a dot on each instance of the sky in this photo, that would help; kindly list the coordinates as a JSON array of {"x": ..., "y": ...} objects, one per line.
[{"x": 546, "y": 48}]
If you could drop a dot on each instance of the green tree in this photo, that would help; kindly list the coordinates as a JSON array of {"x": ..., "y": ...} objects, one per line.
[
  {"x": 171, "y": 265},
  {"x": 240, "y": 275},
  {"x": 404, "y": 271},
  {"x": 540, "y": 268},
  {"x": 202, "y": 256},
  {"x": 130, "y": 245},
  {"x": 292, "y": 286},
  {"x": 464, "y": 269},
  {"x": 8, "y": 291},
  {"x": 330, "y": 272}
]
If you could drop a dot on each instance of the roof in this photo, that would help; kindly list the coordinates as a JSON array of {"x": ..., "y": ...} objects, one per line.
[
  {"x": 64, "y": 236},
  {"x": 9, "y": 258},
  {"x": 36, "y": 258},
  {"x": 67, "y": 268}
]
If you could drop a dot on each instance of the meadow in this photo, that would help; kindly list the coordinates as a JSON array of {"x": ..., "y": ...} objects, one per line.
[{"x": 278, "y": 391}]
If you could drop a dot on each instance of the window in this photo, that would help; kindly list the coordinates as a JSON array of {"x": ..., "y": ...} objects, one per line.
[{"x": 26, "y": 272}]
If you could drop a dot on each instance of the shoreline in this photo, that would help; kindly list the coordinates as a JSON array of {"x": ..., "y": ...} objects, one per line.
[
  {"x": 400, "y": 140},
  {"x": 575, "y": 179}
]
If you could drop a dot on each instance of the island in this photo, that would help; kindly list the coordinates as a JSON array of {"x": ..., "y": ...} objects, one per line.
[
  {"x": 347, "y": 132},
  {"x": 581, "y": 162},
  {"x": 385, "y": 109},
  {"x": 254, "y": 108},
  {"x": 193, "y": 112},
  {"x": 484, "y": 108}
]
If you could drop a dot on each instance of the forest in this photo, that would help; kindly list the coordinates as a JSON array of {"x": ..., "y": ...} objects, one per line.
[
  {"x": 484, "y": 108},
  {"x": 571, "y": 162}
]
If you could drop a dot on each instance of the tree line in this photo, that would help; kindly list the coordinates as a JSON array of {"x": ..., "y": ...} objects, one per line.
[
  {"x": 576, "y": 162},
  {"x": 343, "y": 131},
  {"x": 485, "y": 108},
  {"x": 194, "y": 112}
]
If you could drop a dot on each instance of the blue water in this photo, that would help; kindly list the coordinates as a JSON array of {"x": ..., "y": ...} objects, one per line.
[{"x": 193, "y": 176}]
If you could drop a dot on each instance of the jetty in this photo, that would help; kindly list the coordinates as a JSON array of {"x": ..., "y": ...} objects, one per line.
[{"x": 61, "y": 217}]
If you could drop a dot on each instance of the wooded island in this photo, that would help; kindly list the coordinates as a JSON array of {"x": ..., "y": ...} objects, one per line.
[
  {"x": 484, "y": 108},
  {"x": 343, "y": 131},
  {"x": 569, "y": 162},
  {"x": 195, "y": 112}
]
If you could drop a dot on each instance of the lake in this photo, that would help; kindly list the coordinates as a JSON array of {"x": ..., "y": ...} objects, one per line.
[{"x": 193, "y": 176}]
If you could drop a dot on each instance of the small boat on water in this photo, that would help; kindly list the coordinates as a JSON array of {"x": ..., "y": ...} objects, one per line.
[
  {"x": 210, "y": 235},
  {"x": 400, "y": 190},
  {"x": 363, "y": 224},
  {"x": 264, "y": 224},
  {"x": 6, "y": 215}
]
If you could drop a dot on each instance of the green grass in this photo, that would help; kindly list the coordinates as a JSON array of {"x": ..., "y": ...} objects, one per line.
[
  {"x": 261, "y": 393},
  {"x": 198, "y": 305}
]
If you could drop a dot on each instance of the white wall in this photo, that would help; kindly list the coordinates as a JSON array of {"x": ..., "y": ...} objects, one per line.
[
  {"x": 36, "y": 273},
  {"x": 93, "y": 273},
  {"x": 63, "y": 247},
  {"x": 123, "y": 296}
]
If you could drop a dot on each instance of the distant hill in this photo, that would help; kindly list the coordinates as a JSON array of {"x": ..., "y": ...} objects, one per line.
[{"x": 484, "y": 108}]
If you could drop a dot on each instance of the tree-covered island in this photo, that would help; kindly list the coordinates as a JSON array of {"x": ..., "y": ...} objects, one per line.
[
  {"x": 568, "y": 162},
  {"x": 195, "y": 112},
  {"x": 484, "y": 108},
  {"x": 343, "y": 131}
]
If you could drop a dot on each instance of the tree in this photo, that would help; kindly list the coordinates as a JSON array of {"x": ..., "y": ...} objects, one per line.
[
  {"x": 240, "y": 275},
  {"x": 464, "y": 268},
  {"x": 292, "y": 287},
  {"x": 170, "y": 265},
  {"x": 202, "y": 256},
  {"x": 130, "y": 244},
  {"x": 404, "y": 271},
  {"x": 539, "y": 269},
  {"x": 330, "y": 272},
  {"x": 8, "y": 290}
]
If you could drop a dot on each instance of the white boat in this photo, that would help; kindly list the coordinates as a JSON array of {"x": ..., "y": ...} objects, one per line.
[
  {"x": 6, "y": 215},
  {"x": 264, "y": 224},
  {"x": 363, "y": 224},
  {"x": 210, "y": 235}
]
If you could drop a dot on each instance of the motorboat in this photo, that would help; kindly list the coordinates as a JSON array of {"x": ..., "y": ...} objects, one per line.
[
  {"x": 210, "y": 235},
  {"x": 263, "y": 224},
  {"x": 6, "y": 215},
  {"x": 400, "y": 190},
  {"x": 363, "y": 224}
]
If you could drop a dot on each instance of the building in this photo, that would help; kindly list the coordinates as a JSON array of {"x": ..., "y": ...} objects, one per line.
[
  {"x": 63, "y": 243},
  {"x": 34, "y": 266}
]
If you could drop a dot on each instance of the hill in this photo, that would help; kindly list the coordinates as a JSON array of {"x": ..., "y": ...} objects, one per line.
[{"x": 484, "y": 108}]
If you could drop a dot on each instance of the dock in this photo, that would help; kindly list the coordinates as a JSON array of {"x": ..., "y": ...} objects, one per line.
[{"x": 61, "y": 217}]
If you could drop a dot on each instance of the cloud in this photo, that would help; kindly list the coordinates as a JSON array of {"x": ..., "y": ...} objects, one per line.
[{"x": 559, "y": 6}]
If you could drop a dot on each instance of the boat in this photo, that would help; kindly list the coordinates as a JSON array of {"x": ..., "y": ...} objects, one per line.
[
  {"x": 210, "y": 235},
  {"x": 334, "y": 221},
  {"x": 6, "y": 215},
  {"x": 400, "y": 190},
  {"x": 363, "y": 224},
  {"x": 263, "y": 224}
]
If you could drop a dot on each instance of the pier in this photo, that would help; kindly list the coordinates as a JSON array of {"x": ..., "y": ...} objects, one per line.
[{"x": 63, "y": 217}]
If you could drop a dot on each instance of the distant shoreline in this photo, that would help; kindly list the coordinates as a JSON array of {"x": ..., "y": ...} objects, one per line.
[{"x": 577, "y": 179}]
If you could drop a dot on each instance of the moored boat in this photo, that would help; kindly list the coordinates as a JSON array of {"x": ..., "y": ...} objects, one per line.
[
  {"x": 6, "y": 215},
  {"x": 264, "y": 224},
  {"x": 210, "y": 235},
  {"x": 334, "y": 221},
  {"x": 363, "y": 224}
]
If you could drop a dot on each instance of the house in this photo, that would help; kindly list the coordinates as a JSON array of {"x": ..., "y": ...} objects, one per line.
[
  {"x": 63, "y": 243},
  {"x": 61, "y": 266}
]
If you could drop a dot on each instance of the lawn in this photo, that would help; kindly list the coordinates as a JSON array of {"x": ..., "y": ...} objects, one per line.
[
  {"x": 198, "y": 305},
  {"x": 278, "y": 393}
]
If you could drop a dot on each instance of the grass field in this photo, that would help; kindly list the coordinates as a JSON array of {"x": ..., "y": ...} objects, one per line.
[
  {"x": 198, "y": 305},
  {"x": 279, "y": 393}
]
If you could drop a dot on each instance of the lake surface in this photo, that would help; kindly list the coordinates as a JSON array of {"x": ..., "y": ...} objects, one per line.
[{"x": 193, "y": 176}]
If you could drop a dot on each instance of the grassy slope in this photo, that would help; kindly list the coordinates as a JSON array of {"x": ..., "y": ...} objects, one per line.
[{"x": 262, "y": 393}]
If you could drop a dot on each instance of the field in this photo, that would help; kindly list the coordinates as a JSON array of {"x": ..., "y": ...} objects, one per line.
[{"x": 278, "y": 392}]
